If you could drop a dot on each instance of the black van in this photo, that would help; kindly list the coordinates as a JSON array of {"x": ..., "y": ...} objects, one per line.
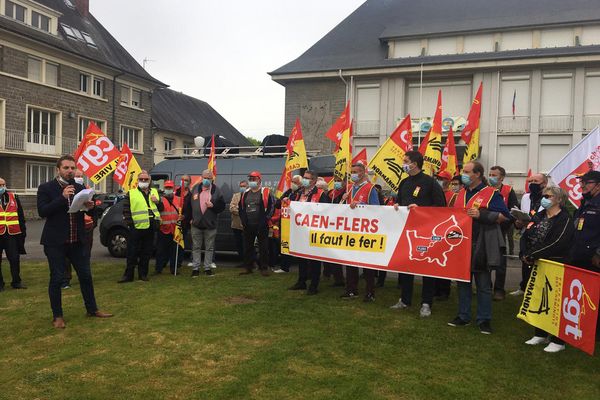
[{"x": 230, "y": 171}]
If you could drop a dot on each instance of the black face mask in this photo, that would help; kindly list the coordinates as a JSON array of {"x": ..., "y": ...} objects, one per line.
[{"x": 535, "y": 189}]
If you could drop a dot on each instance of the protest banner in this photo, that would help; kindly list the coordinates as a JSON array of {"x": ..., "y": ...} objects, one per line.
[
  {"x": 430, "y": 241},
  {"x": 96, "y": 155},
  {"x": 563, "y": 301},
  {"x": 127, "y": 169}
]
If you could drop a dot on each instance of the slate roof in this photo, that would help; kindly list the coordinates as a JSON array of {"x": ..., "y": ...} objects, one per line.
[
  {"x": 179, "y": 113},
  {"x": 108, "y": 52},
  {"x": 359, "y": 41}
]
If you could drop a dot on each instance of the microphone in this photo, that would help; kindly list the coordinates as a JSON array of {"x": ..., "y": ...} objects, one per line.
[{"x": 71, "y": 181}]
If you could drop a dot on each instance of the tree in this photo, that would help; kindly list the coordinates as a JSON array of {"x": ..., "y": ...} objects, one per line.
[{"x": 255, "y": 142}]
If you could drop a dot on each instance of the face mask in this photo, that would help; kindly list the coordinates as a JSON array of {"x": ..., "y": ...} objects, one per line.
[
  {"x": 168, "y": 192},
  {"x": 337, "y": 185},
  {"x": 294, "y": 187},
  {"x": 253, "y": 184},
  {"x": 455, "y": 188},
  {"x": 242, "y": 189},
  {"x": 535, "y": 189},
  {"x": 143, "y": 185},
  {"x": 79, "y": 180},
  {"x": 2, "y": 190},
  {"x": 305, "y": 182},
  {"x": 546, "y": 203},
  {"x": 354, "y": 177},
  {"x": 465, "y": 179},
  {"x": 406, "y": 168},
  {"x": 186, "y": 184},
  {"x": 493, "y": 180},
  {"x": 206, "y": 182}
]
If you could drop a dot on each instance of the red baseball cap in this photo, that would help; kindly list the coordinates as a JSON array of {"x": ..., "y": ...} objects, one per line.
[
  {"x": 444, "y": 175},
  {"x": 255, "y": 174},
  {"x": 170, "y": 184}
]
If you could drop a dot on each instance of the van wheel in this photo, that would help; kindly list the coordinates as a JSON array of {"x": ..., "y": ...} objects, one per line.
[{"x": 117, "y": 243}]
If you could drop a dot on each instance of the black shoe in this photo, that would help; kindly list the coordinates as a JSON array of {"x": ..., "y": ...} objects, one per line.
[
  {"x": 209, "y": 272},
  {"x": 369, "y": 298},
  {"x": 19, "y": 286},
  {"x": 125, "y": 280},
  {"x": 144, "y": 278},
  {"x": 458, "y": 322},
  {"x": 298, "y": 286},
  {"x": 485, "y": 327},
  {"x": 65, "y": 286},
  {"x": 312, "y": 291},
  {"x": 349, "y": 296},
  {"x": 195, "y": 273}
]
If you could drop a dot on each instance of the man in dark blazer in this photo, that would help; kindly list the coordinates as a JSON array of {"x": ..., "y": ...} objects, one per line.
[{"x": 63, "y": 236}]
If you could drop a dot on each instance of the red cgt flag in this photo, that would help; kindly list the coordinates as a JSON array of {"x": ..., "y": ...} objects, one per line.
[
  {"x": 336, "y": 131},
  {"x": 361, "y": 158}
]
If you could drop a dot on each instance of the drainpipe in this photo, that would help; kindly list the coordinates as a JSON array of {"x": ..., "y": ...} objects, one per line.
[
  {"x": 345, "y": 83},
  {"x": 114, "y": 109}
]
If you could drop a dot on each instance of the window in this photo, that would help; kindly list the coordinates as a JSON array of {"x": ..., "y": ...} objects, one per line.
[
  {"x": 41, "y": 127},
  {"x": 188, "y": 148},
  {"x": 40, "y": 21},
  {"x": 42, "y": 71},
  {"x": 169, "y": 145},
  {"x": 38, "y": 174},
  {"x": 84, "y": 83},
  {"x": 131, "y": 97},
  {"x": 15, "y": 11},
  {"x": 83, "y": 125},
  {"x": 91, "y": 85},
  {"x": 131, "y": 136},
  {"x": 76, "y": 34},
  {"x": 98, "y": 89}
]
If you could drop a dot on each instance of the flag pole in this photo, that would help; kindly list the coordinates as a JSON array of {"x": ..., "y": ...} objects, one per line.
[{"x": 179, "y": 222}]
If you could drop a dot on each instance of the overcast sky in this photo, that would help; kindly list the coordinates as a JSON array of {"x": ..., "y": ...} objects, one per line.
[{"x": 221, "y": 51}]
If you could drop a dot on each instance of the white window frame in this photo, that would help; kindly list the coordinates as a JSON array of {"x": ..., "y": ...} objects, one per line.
[
  {"x": 15, "y": 5},
  {"x": 171, "y": 141},
  {"x": 30, "y": 8},
  {"x": 40, "y": 19},
  {"x": 128, "y": 101},
  {"x": 188, "y": 148},
  {"x": 100, "y": 122},
  {"x": 44, "y": 71},
  {"x": 140, "y": 148},
  {"x": 90, "y": 86},
  {"x": 100, "y": 92},
  {"x": 57, "y": 128},
  {"x": 50, "y": 174}
]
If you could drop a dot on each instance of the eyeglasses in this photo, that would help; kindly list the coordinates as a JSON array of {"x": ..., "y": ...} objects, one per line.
[
  {"x": 143, "y": 179},
  {"x": 547, "y": 196}
]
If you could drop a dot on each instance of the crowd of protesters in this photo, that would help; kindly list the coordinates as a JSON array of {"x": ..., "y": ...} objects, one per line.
[{"x": 548, "y": 232}]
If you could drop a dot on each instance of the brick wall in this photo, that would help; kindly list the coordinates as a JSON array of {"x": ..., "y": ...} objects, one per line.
[{"x": 318, "y": 104}]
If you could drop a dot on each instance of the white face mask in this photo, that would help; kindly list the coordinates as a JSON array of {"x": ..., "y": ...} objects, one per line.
[
  {"x": 143, "y": 185},
  {"x": 79, "y": 180}
]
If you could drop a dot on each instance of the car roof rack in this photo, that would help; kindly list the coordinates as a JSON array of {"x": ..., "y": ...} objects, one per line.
[{"x": 243, "y": 151}]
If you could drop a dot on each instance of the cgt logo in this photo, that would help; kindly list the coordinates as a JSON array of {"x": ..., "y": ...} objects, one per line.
[{"x": 573, "y": 307}]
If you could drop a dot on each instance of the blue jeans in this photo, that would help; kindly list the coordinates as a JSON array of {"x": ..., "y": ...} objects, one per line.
[
  {"x": 206, "y": 236},
  {"x": 57, "y": 256},
  {"x": 483, "y": 282}
]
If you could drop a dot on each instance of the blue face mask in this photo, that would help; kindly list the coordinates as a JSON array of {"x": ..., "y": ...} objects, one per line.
[
  {"x": 546, "y": 203},
  {"x": 206, "y": 182},
  {"x": 2, "y": 190},
  {"x": 354, "y": 177},
  {"x": 305, "y": 182},
  {"x": 493, "y": 180},
  {"x": 337, "y": 185},
  {"x": 465, "y": 179},
  {"x": 406, "y": 168},
  {"x": 242, "y": 189},
  {"x": 253, "y": 184}
]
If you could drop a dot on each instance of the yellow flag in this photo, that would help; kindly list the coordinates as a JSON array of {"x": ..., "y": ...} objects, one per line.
[
  {"x": 387, "y": 162},
  {"x": 295, "y": 159},
  {"x": 432, "y": 159},
  {"x": 178, "y": 236},
  {"x": 133, "y": 170},
  {"x": 472, "y": 149},
  {"x": 343, "y": 157},
  {"x": 470, "y": 133}
]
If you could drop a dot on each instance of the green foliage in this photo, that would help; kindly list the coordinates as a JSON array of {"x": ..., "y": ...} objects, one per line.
[
  {"x": 247, "y": 337},
  {"x": 255, "y": 142}
]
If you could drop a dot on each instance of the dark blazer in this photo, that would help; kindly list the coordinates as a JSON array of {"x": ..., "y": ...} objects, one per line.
[{"x": 53, "y": 207}]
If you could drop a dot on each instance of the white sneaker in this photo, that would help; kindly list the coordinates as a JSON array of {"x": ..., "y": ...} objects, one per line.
[
  {"x": 554, "y": 348},
  {"x": 399, "y": 305},
  {"x": 537, "y": 340},
  {"x": 425, "y": 311},
  {"x": 279, "y": 271},
  {"x": 190, "y": 264},
  {"x": 213, "y": 265},
  {"x": 517, "y": 292}
]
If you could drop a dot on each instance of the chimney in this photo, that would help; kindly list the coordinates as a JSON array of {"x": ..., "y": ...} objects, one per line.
[{"x": 83, "y": 6}]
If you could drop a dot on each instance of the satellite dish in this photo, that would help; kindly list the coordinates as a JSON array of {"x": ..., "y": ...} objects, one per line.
[{"x": 199, "y": 142}]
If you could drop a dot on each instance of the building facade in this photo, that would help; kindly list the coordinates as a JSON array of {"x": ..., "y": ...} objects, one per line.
[
  {"x": 59, "y": 70},
  {"x": 539, "y": 63}
]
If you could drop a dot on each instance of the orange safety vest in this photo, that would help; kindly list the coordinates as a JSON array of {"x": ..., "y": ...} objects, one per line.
[
  {"x": 9, "y": 217},
  {"x": 316, "y": 196},
  {"x": 169, "y": 216},
  {"x": 504, "y": 192},
  {"x": 480, "y": 199},
  {"x": 362, "y": 195}
]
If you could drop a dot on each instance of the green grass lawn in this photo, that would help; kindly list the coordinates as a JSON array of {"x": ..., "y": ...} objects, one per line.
[{"x": 247, "y": 337}]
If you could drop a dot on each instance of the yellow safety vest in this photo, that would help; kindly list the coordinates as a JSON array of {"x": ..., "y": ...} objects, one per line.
[{"x": 139, "y": 208}]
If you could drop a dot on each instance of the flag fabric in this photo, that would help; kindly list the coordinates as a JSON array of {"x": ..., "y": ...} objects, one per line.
[
  {"x": 449, "y": 159},
  {"x": 127, "y": 169},
  {"x": 387, "y": 162},
  {"x": 563, "y": 301},
  {"x": 295, "y": 158},
  {"x": 576, "y": 163},
  {"x": 336, "y": 132},
  {"x": 514, "y": 104},
  {"x": 432, "y": 159},
  {"x": 96, "y": 156},
  {"x": 361, "y": 158},
  {"x": 178, "y": 234},
  {"x": 423, "y": 145},
  {"x": 343, "y": 157},
  {"x": 212, "y": 159},
  {"x": 470, "y": 133},
  {"x": 526, "y": 181}
]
